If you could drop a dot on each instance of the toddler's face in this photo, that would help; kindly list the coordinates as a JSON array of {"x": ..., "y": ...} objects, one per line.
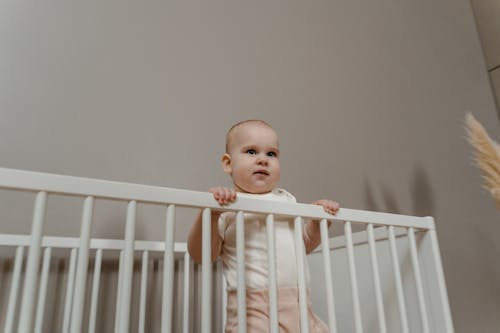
[{"x": 252, "y": 159}]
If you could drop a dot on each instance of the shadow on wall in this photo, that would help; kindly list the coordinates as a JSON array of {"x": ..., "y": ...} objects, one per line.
[
  {"x": 420, "y": 190},
  {"x": 422, "y": 194}
]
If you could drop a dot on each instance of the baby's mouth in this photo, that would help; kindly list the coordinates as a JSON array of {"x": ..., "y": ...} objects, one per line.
[{"x": 261, "y": 172}]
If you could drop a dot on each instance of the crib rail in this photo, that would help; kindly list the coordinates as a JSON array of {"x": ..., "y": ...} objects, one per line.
[
  {"x": 59, "y": 184},
  {"x": 430, "y": 285}
]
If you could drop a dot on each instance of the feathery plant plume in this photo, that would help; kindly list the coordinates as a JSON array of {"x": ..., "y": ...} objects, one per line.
[{"x": 486, "y": 155}]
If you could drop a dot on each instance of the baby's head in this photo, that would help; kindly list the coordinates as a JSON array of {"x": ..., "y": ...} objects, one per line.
[{"x": 252, "y": 156}]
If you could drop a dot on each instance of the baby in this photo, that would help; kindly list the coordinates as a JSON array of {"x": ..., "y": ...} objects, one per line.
[{"x": 252, "y": 161}]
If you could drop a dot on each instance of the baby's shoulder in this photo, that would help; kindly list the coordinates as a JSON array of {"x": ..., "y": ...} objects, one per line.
[{"x": 284, "y": 195}]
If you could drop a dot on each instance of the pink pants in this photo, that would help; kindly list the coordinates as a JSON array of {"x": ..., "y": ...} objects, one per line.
[{"x": 258, "y": 312}]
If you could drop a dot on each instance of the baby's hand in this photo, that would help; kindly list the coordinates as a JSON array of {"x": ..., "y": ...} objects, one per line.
[
  {"x": 331, "y": 207},
  {"x": 223, "y": 195}
]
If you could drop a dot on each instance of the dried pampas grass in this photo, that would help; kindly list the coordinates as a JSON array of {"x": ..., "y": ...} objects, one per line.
[{"x": 487, "y": 155}]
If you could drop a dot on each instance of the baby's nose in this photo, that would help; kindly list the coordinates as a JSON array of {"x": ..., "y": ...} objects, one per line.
[{"x": 262, "y": 160}]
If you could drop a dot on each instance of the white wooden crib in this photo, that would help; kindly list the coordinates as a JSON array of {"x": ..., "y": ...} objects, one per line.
[{"x": 385, "y": 276}]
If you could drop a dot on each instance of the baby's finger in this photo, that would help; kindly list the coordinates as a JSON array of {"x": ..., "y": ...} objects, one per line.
[
  {"x": 226, "y": 195},
  {"x": 331, "y": 207},
  {"x": 231, "y": 196},
  {"x": 335, "y": 207},
  {"x": 219, "y": 195}
]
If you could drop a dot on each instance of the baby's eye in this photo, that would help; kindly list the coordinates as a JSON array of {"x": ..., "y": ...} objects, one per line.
[
  {"x": 251, "y": 152},
  {"x": 272, "y": 154}
]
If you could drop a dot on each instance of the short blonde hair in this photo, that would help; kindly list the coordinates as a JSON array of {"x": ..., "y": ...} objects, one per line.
[{"x": 235, "y": 126}]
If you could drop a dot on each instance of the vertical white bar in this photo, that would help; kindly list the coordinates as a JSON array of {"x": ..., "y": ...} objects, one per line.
[
  {"x": 144, "y": 282},
  {"x": 69, "y": 291},
  {"x": 14, "y": 287},
  {"x": 418, "y": 280},
  {"x": 397, "y": 278},
  {"x": 438, "y": 266},
  {"x": 273, "y": 288},
  {"x": 82, "y": 267},
  {"x": 224, "y": 301},
  {"x": 128, "y": 267},
  {"x": 325, "y": 247},
  {"x": 206, "y": 272},
  {"x": 30, "y": 278},
  {"x": 240, "y": 269},
  {"x": 358, "y": 324},
  {"x": 185, "y": 312},
  {"x": 95, "y": 291},
  {"x": 43, "y": 291},
  {"x": 299, "y": 254},
  {"x": 376, "y": 281},
  {"x": 119, "y": 292},
  {"x": 168, "y": 272}
]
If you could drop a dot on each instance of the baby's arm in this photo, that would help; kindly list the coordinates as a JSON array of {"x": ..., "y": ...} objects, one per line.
[
  {"x": 223, "y": 196},
  {"x": 312, "y": 235}
]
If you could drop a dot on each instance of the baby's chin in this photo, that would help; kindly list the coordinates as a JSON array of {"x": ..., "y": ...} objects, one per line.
[{"x": 254, "y": 189}]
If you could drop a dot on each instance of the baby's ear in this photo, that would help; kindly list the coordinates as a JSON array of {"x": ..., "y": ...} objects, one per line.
[{"x": 226, "y": 163}]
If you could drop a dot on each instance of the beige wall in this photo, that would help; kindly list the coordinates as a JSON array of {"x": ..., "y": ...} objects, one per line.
[
  {"x": 368, "y": 99},
  {"x": 487, "y": 13}
]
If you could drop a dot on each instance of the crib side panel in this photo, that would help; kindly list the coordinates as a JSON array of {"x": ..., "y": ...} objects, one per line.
[
  {"x": 53, "y": 317},
  {"x": 342, "y": 289},
  {"x": 342, "y": 292}
]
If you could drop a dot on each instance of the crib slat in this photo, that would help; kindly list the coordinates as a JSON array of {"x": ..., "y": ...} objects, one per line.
[
  {"x": 240, "y": 269},
  {"x": 69, "y": 291},
  {"x": 206, "y": 263},
  {"x": 358, "y": 324},
  {"x": 30, "y": 278},
  {"x": 144, "y": 282},
  {"x": 82, "y": 266},
  {"x": 299, "y": 255},
  {"x": 376, "y": 280},
  {"x": 42, "y": 291},
  {"x": 224, "y": 301},
  {"x": 14, "y": 287},
  {"x": 128, "y": 267},
  {"x": 271, "y": 260},
  {"x": 119, "y": 292},
  {"x": 438, "y": 267},
  {"x": 332, "y": 321},
  {"x": 418, "y": 280},
  {"x": 95, "y": 290},
  {"x": 185, "y": 312},
  {"x": 168, "y": 272},
  {"x": 398, "y": 280}
]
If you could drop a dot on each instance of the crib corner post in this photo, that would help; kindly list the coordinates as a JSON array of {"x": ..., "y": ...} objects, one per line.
[{"x": 435, "y": 280}]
